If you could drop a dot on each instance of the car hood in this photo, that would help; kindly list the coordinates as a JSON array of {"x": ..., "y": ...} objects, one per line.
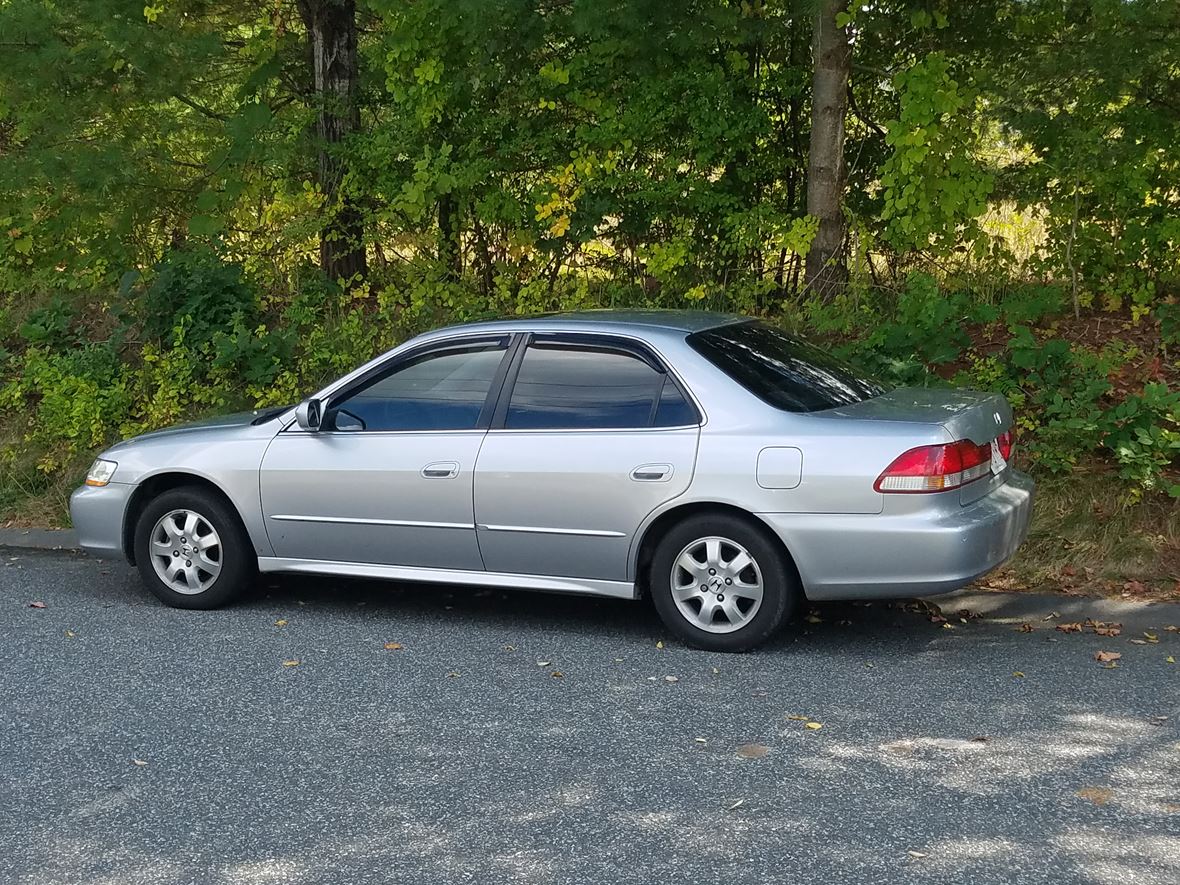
[{"x": 203, "y": 427}]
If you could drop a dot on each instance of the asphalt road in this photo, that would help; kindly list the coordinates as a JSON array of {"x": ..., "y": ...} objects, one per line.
[{"x": 464, "y": 757}]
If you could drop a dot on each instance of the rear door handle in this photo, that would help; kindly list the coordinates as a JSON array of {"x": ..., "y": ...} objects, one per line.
[
  {"x": 441, "y": 470},
  {"x": 652, "y": 473}
]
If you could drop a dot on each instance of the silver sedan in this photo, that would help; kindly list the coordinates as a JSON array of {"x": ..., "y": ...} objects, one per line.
[{"x": 722, "y": 467}]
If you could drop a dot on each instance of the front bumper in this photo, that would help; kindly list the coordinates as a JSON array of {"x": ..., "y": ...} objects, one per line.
[
  {"x": 866, "y": 556},
  {"x": 97, "y": 514}
]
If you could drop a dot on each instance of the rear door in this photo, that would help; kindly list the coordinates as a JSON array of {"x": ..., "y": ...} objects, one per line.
[{"x": 591, "y": 434}]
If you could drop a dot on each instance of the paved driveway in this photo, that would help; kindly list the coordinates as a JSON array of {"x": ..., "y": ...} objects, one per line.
[{"x": 524, "y": 738}]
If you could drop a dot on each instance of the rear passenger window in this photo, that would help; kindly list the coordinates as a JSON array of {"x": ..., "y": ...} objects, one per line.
[{"x": 563, "y": 387}]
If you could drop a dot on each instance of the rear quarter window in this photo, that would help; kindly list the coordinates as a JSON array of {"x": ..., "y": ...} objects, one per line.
[{"x": 783, "y": 370}]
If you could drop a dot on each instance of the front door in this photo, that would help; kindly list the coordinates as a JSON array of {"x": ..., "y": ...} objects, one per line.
[
  {"x": 591, "y": 437},
  {"x": 389, "y": 477}
]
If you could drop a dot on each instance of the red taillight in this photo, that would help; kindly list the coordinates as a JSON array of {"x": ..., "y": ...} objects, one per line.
[
  {"x": 936, "y": 468},
  {"x": 1006, "y": 440}
]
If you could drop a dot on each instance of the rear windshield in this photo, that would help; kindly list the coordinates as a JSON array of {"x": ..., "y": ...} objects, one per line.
[{"x": 783, "y": 370}]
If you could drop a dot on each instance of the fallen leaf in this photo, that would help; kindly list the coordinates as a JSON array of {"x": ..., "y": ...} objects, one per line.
[
  {"x": 917, "y": 854},
  {"x": 290, "y": 663},
  {"x": 701, "y": 740},
  {"x": 1017, "y": 674},
  {"x": 139, "y": 762},
  {"x": 1151, "y": 637},
  {"x": 752, "y": 751},
  {"x": 1170, "y": 659},
  {"x": 671, "y": 678},
  {"x": 1109, "y": 629},
  {"x": 1097, "y": 795},
  {"x": 557, "y": 674},
  {"x": 1025, "y": 628},
  {"x": 798, "y": 718},
  {"x": 1073, "y": 627},
  {"x": 1172, "y": 628},
  {"x": 281, "y": 622},
  {"x": 659, "y": 643},
  {"x": 736, "y": 805},
  {"x": 510, "y": 648},
  {"x": 1051, "y": 616},
  {"x": 715, "y": 671},
  {"x": 814, "y": 619},
  {"x": 71, "y": 634},
  {"x": 394, "y": 646},
  {"x": 1135, "y": 587},
  {"x": 543, "y": 663},
  {"x": 37, "y": 605},
  {"x": 1107, "y": 656},
  {"x": 814, "y": 726},
  {"x": 948, "y": 626},
  {"x": 454, "y": 674}
]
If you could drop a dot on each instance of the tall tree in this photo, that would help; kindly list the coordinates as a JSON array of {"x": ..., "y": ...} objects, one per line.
[
  {"x": 332, "y": 33},
  {"x": 827, "y": 270}
]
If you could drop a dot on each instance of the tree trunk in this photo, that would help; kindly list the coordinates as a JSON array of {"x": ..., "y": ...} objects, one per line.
[
  {"x": 331, "y": 31},
  {"x": 450, "y": 254},
  {"x": 827, "y": 271}
]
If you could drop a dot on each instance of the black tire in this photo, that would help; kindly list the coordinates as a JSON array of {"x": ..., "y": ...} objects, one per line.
[
  {"x": 234, "y": 552},
  {"x": 780, "y": 587}
]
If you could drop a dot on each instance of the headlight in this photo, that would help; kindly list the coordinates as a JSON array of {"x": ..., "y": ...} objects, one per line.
[{"x": 101, "y": 472}]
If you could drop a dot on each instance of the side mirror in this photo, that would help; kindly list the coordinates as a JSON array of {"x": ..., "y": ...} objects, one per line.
[{"x": 308, "y": 415}]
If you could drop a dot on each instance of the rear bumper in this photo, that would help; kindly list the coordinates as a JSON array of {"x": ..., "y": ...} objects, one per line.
[
  {"x": 97, "y": 514},
  {"x": 855, "y": 556}
]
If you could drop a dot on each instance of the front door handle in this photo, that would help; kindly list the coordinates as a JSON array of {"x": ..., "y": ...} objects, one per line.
[
  {"x": 441, "y": 470},
  {"x": 652, "y": 473}
]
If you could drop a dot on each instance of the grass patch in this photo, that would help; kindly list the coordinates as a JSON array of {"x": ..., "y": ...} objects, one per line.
[{"x": 1090, "y": 536}]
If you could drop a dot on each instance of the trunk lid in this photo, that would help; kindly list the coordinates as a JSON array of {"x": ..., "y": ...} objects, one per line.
[{"x": 965, "y": 414}]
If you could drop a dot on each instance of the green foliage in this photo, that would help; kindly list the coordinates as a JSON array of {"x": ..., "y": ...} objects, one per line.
[
  {"x": 159, "y": 205},
  {"x": 934, "y": 189}
]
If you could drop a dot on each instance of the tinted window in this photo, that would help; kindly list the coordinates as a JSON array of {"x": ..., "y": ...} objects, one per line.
[
  {"x": 783, "y": 370},
  {"x": 562, "y": 387},
  {"x": 438, "y": 391}
]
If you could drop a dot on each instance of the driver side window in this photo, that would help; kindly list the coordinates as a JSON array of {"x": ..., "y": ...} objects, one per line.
[{"x": 439, "y": 390}]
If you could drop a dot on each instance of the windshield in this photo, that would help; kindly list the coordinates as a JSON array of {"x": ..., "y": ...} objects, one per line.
[{"x": 784, "y": 371}]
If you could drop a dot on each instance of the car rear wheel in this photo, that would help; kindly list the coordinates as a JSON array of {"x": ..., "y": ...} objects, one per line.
[
  {"x": 719, "y": 583},
  {"x": 191, "y": 549}
]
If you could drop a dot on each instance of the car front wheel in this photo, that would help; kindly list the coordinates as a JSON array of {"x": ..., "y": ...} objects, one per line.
[
  {"x": 191, "y": 549},
  {"x": 720, "y": 584}
]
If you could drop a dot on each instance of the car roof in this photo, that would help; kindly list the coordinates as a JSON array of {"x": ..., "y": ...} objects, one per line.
[{"x": 685, "y": 321}]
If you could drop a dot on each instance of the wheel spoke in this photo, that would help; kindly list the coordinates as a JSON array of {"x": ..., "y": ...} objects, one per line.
[
  {"x": 163, "y": 548},
  {"x": 730, "y": 608},
  {"x": 690, "y": 565},
  {"x": 739, "y": 563},
  {"x": 190, "y": 525},
  {"x": 745, "y": 591},
  {"x": 683, "y": 594},
  {"x": 208, "y": 565},
  {"x": 209, "y": 540},
  {"x": 713, "y": 552},
  {"x": 708, "y": 607}
]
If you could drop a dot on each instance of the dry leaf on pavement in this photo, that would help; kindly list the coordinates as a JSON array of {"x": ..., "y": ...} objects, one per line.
[
  {"x": 394, "y": 646},
  {"x": 37, "y": 604},
  {"x": 292, "y": 663},
  {"x": 1107, "y": 656},
  {"x": 281, "y": 622},
  {"x": 814, "y": 726},
  {"x": 752, "y": 751},
  {"x": 1073, "y": 627},
  {"x": 1097, "y": 795}
]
